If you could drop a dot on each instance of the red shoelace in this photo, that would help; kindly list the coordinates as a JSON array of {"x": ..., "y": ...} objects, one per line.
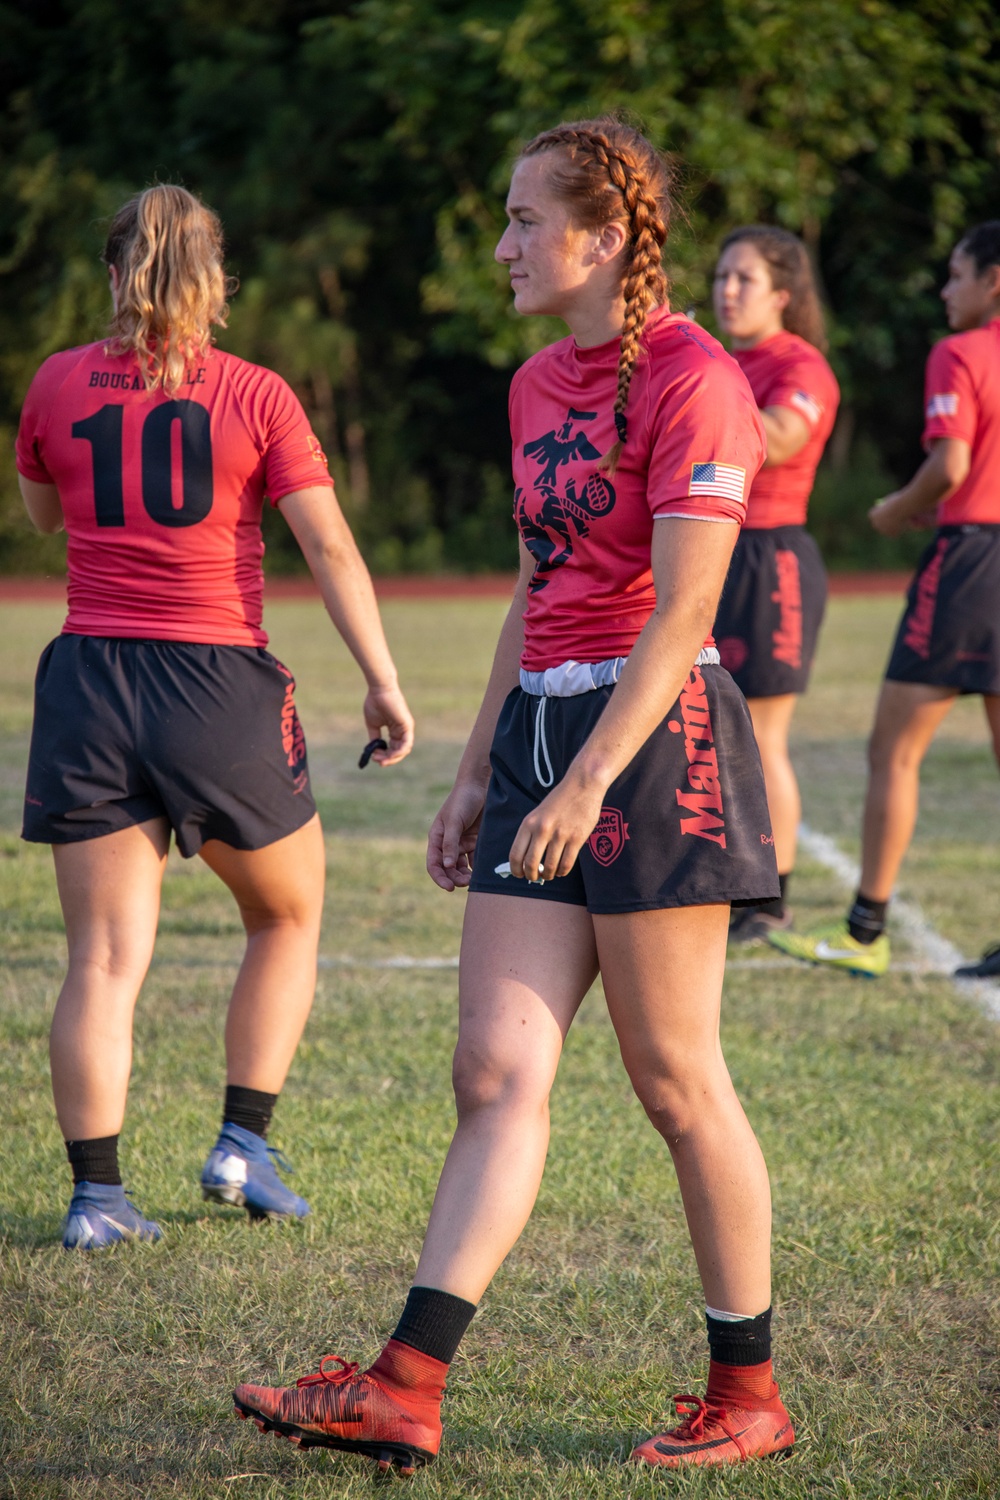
[
  {"x": 694, "y": 1411},
  {"x": 346, "y": 1370}
]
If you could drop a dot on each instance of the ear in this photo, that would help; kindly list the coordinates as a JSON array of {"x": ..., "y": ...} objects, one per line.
[
  {"x": 782, "y": 298},
  {"x": 991, "y": 276},
  {"x": 609, "y": 243}
]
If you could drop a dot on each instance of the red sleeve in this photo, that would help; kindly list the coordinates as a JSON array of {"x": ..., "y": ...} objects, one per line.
[
  {"x": 950, "y": 406},
  {"x": 293, "y": 458},
  {"x": 806, "y": 386},
  {"x": 708, "y": 443},
  {"x": 35, "y": 419}
]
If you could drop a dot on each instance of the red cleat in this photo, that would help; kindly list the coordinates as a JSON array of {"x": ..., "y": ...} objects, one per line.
[
  {"x": 339, "y": 1407},
  {"x": 711, "y": 1434}
]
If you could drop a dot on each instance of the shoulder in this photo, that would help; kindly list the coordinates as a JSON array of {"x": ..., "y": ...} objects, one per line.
[
  {"x": 962, "y": 348},
  {"x": 56, "y": 370},
  {"x": 541, "y": 365},
  {"x": 681, "y": 356}
]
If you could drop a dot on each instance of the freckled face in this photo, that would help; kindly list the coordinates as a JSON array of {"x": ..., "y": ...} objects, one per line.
[
  {"x": 969, "y": 298},
  {"x": 546, "y": 254},
  {"x": 746, "y": 304}
]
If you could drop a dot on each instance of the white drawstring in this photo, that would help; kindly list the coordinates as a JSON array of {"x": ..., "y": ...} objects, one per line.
[{"x": 541, "y": 744}]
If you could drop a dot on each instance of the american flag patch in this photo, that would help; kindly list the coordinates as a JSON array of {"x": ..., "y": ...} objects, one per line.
[
  {"x": 725, "y": 480},
  {"x": 809, "y": 407},
  {"x": 942, "y": 406}
]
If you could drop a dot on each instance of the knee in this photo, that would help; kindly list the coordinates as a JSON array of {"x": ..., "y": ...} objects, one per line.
[
  {"x": 676, "y": 1101},
  {"x": 294, "y": 915},
  {"x": 482, "y": 1081}
]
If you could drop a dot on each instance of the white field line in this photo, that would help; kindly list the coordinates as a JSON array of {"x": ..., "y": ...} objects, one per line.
[{"x": 934, "y": 953}]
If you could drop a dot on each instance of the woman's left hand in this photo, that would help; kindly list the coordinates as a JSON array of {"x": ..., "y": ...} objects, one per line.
[{"x": 551, "y": 837}]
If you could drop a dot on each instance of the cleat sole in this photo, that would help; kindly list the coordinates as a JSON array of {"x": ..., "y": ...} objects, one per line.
[
  {"x": 385, "y": 1455},
  {"x": 235, "y": 1197}
]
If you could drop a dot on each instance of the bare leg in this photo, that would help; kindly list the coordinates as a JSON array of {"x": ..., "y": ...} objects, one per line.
[
  {"x": 279, "y": 890},
  {"x": 662, "y": 973},
  {"x": 525, "y": 967},
  {"x": 772, "y": 719},
  {"x": 907, "y": 717},
  {"x": 109, "y": 889},
  {"x": 991, "y": 703}
]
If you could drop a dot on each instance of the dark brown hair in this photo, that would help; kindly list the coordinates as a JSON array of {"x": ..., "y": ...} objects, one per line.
[
  {"x": 982, "y": 244},
  {"x": 606, "y": 172},
  {"x": 791, "y": 271},
  {"x": 167, "y": 249}
]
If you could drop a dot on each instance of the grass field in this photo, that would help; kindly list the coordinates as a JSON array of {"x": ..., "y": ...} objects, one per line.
[{"x": 876, "y": 1105}]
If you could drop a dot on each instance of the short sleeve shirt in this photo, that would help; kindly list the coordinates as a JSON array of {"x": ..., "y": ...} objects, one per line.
[
  {"x": 787, "y": 371},
  {"x": 694, "y": 444},
  {"x": 962, "y": 400},
  {"x": 162, "y": 496}
]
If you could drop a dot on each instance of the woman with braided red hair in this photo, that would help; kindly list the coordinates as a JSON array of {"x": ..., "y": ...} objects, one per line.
[{"x": 608, "y": 809}]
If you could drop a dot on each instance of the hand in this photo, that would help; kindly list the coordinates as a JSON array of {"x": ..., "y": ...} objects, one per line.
[
  {"x": 551, "y": 837},
  {"x": 888, "y": 516},
  {"x": 453, "y": 835},
  {"x": 386, "y": 709}
]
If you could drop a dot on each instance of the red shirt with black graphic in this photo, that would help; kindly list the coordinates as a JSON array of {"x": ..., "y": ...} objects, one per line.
[
  {"x": 695, "y": 442},
  {"x": 786, "y": 370},
  {"x": 962, "y": 389},
  {"x": 162, "y": 496}
]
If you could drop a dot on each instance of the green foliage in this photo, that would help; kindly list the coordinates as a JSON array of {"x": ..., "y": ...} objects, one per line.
[{"x": 358, "y": 154}]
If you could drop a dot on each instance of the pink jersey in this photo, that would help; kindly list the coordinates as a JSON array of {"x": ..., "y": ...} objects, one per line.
[
  {"x": 786, "y": 370},
  {"x": 962, "y": 389},
  {"x": 162, "y": 496},
  {"x": 694, "y": 444}
]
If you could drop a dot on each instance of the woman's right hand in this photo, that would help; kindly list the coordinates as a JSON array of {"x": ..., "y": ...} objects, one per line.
[{"x": 453, "y": 835}]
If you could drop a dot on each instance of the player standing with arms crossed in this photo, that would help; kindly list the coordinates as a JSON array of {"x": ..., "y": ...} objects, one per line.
[
  {"x": 948, "y": 640},
  {"x": 625, "y": 809},
  {"x": 773, "y": 601},
  {"x": 158, "y": 707}
]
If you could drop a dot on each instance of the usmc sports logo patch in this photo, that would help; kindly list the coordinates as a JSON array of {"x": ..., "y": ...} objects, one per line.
[{"x": 609, "y": 837}]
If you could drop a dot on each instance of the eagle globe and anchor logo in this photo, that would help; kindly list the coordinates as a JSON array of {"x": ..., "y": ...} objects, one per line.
[{"x": 551, "y": 527}]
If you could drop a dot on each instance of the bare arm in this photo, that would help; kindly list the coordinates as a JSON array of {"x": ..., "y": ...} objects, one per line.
[
  {"x": 943, "y": 470},
  {"x": 344, "y": 582},
  {"x": 787, "y": 434},
  {"x": 454, "y": 831},
  {"x": 42, "y": 503},
  {"x": 690, "y": 560}
]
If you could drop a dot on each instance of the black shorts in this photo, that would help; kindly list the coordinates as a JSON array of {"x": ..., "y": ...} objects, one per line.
[
  {"x": 949, "y": 635},
  {"x": 685, "y": 824},
  {"x": 771, "y": 609},
  {"x": 205, "y": 736}
]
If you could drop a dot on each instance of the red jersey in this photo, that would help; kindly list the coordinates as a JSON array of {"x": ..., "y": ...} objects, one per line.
[
  {"x": 162, "y": 495},
  {"x": 786, "y": 370},
  {"x": 695, "y": 442},
  {"x": 962, "y": 389}
]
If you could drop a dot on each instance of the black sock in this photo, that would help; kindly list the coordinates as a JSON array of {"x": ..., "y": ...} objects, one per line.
[
  {"x": 776, "y": 907},
  {"x": 747, "y": 1342},
  {"x": 866, "y": 918},
  {"x": 95, "y": 1160},
  {"x": 434, "y": 1322},
  {"x": 249, "y": 1108}
]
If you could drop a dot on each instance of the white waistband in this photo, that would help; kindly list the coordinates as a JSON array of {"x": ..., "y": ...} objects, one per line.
[{"x": 571, "y": 678}]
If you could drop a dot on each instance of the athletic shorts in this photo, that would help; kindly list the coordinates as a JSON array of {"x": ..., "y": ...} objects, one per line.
[
  {"x": 771, "y": 609},
  {"x": 950, "y": 631},
  {"x": 685, "y": 824},
  {"x": 204, "y": 736}
]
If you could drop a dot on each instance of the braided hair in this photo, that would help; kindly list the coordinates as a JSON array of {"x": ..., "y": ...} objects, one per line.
[
  {"x": 790, "y": 269},
  {"x": 606, "y": 172}
]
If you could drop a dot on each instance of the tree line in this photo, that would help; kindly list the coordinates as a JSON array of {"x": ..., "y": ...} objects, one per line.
[{"x": 359, "y": 153}]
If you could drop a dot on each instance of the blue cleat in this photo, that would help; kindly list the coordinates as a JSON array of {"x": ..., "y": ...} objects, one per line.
[
  {"x": 101, "y": 1214},
  {"x": 242, "y": 1170}
]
